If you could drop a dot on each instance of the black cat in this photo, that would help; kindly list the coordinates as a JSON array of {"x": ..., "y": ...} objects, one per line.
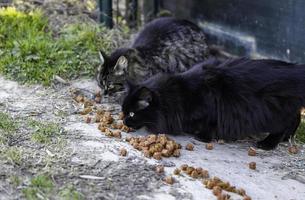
[
  {"x": 229, "y": 100},
  {"x": 164, "y": 45}
]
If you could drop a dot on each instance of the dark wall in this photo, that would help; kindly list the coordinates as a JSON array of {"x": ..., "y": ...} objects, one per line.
[{"x": 260, "y": 28}]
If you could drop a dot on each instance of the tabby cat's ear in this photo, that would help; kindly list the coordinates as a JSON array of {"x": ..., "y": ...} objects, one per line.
[
  {"x": 121, "y": 66},
  {"x": 102, "y": 56}
]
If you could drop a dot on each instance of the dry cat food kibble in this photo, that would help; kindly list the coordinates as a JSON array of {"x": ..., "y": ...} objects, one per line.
[
  {"x": 209, "y": 146},
  {"x": 223, "y": 197},
  {"x": 194, "y": 172},
  {"x": 247, "y": 198},
  {"x": 217, "y": 184},
  {"x": 123, "y": 152},
  {"x": 86, "y": 111},
  {"x": 169, "y": 180},
  {"x": 156, "y": 146},
  {"x": 252, "y": 165},
  {"x": 189, "y": 147},
  {"x": 217, "y": 190},
  {"x": 293, "y": 149},
  {"x": 159, "y": 169},
  {"x": 177, "y": 171},
  {"x": 251, "y": 151}
]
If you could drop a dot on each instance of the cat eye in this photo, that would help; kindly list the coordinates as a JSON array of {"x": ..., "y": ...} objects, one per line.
[{"x": 131, "y": 114}]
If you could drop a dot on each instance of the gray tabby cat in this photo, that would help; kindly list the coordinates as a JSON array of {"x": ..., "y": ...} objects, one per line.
[{"x": 166, "y": 45}]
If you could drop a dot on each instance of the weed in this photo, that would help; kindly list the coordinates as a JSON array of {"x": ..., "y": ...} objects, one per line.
[
  {"x": 7, "y": 127},
  {"x": 300, "y": 133},
  {"x": 40, "y": 187},
  {"x": 70, "y": 193},
  {"x": 13, "y": 155},
  {"x": 43, "y": 131},
  {"x": 15, "y": 180}
]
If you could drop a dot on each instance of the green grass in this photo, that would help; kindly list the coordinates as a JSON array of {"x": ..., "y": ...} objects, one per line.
[
  {"x": 43, "y": 131},
  {"x": 70, "y": 193},
  {"x": 29, "y": 53},
  {"x": 7, "y": 127},
  {"x": 300, "y": 134},
  {"x": 40, "y": 188},
  {"x": 13, "y": 155}
]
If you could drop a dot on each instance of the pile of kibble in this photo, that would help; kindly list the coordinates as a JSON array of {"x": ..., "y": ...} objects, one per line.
[
  {"x": 94, "y": 114},
  {"x": 215, "y": 184},
  {"x": 156, "y": 146}
]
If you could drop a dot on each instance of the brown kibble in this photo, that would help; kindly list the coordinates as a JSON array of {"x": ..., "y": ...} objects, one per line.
[
  {"x": 209, "y": 146},
  {"x": 108, "y": 132},
  {"x": 158, "y": 147},
  {"x": 117, "y": 133},
  {"x": 88, "y": 119},
  {"x": 189, "y": 170},
  {"x": 194, "y": 174},
  {"x": 247, "y": 198},
  {"x": 79, "y": 99},
  {"x": 217, "y": 190},
  {"x": 176, "y": 153},
  {"x": 119, "y": 125},
  {"x": 159, "y": 169},
  {"x": 100, "y": 111},
  {"x": 241, "y": 192},
  {"x": 251, "y": 151},
  {"x": 147, "y": 153},
  {"x": 210, "y": 184},
  {"x": 205, "y": 174},
  {"x": 184, "y": 167},
  {"x": 205, "y": 182},
  {"x": 177, "y": 171},
  {"x": 125, "y": 129},
  {"x": 86, "y": 111},
  {"x": 169, "y": 180},
  {"x": 88, "y": 103},
  {"x": 223, "y": 197},
  {"x": 189, "y": 147},
  {"x": 157, "y": 156},
  {"x": 128, "y": 138},
  {"x": 101, "y": 127},
  {"x": 165, "y": 153},
  {"x": 121, "y": 116},
  {"x": 123, "y": 152},
  {"x": 152, "y": 138},
  {"x": 293, "y": 149},
  {"x": 252, "y": 165},
  {"x": 98, "y": 118}
]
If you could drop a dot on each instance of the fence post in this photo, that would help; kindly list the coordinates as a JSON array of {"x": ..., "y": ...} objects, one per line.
[{"x": 105, "y": 12}]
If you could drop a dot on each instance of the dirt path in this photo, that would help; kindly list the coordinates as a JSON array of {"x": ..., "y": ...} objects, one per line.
[{"x": 84, "y": 158}]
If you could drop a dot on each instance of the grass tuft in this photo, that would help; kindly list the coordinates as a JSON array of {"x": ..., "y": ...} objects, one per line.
[
  {"x": 300, "y": 133},
  {"x": 40, "y": 188},
  {"x": 7, "y": 127},
  {"x": 43, "y": 131}
]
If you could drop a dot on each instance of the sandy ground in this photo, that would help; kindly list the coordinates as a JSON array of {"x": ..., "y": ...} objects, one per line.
[{"x": 95, "y": 168}]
